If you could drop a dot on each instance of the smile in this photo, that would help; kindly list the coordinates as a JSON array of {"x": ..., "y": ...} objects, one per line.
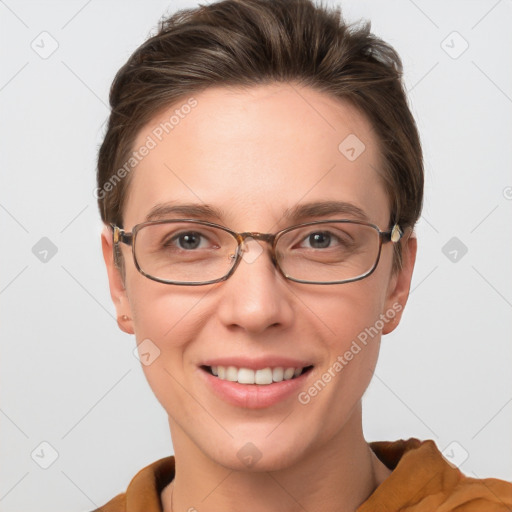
[{"x": 264, "y": 376}]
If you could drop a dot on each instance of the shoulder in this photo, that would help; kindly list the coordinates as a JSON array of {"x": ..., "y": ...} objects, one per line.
[
  {"x": 143, "y": 492},
  {"x": 422, "y": 478},
  {"x": 116, "y": 504}
]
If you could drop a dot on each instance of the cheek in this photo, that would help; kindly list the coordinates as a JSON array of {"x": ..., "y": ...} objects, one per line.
[
  {"x": 351, "y": 353},
  {"x": 165, "y": 322},
  {"x": 352, "y": 310},
  {"x": 354, "y": 323},
  {"x": 167, "y": 319},
  {"x": 163, "y": 313}
]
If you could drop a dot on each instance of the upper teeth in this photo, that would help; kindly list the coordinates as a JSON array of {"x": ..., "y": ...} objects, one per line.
[{"x": 248, "y": 376}]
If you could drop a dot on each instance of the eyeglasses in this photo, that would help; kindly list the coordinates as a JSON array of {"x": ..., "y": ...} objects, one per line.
[{"x": 193, "y": 252}]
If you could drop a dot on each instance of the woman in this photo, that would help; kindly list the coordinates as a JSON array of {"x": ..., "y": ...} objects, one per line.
[{"x": 259, "y": 181}]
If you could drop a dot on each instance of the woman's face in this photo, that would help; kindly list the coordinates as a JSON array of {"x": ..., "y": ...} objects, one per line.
[{"x": 254, "y": 155}]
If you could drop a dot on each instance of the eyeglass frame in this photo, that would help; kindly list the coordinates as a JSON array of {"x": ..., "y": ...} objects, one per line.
[{"x": 129, "y": 238}]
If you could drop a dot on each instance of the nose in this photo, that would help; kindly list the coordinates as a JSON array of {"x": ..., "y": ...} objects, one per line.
[{"x": 256, "y": 296}]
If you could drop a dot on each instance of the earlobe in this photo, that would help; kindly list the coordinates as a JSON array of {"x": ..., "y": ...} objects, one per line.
[
  {"x": 116, "y": 284},
  {"x": 125, "y": 324},
  {"x": 400, "y": 283}
]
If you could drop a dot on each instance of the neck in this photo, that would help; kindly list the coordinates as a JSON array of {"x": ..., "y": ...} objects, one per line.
[{"x": 338, "y": 475}]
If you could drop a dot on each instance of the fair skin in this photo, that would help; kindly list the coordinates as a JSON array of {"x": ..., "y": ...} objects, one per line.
[{"x": 255, "y": 153}]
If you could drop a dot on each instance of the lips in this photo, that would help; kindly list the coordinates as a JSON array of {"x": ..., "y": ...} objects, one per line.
[
  {"x": 255, "y": 382},
  {"x": 256, "y": 395}
]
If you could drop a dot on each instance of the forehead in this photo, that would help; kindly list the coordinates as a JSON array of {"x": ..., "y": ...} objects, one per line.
[{"x": 255, "y": 153}]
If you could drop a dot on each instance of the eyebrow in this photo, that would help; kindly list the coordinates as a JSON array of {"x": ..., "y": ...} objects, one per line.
[
  {"x": 302, "y": 212},
  {"x": 299, "y": 213},
  {"x": 194, "y": 210}
]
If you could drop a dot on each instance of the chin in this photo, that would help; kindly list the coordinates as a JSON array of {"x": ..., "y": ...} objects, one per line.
[{"x": 258, "y": 453}]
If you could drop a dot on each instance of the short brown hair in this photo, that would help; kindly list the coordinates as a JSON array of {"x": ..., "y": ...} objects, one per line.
[{"x": 242, "y": 43}]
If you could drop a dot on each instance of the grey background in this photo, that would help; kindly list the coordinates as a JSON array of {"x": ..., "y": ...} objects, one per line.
[{"x": 68, "y": 375}]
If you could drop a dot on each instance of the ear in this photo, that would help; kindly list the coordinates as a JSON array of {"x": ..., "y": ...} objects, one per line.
[
  {"x": 116, "y": 284},
  {"x": 400, "y": 283}
]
